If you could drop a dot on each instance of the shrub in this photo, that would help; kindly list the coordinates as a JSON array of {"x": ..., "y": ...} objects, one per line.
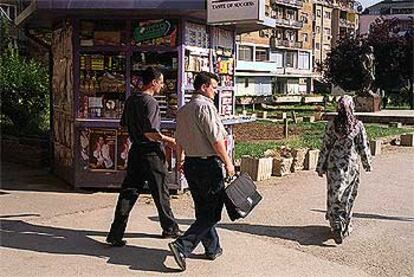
[{"x": 24, "y": 89}]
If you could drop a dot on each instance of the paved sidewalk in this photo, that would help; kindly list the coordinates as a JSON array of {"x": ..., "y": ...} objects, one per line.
[{"x": 47, "y": 230}]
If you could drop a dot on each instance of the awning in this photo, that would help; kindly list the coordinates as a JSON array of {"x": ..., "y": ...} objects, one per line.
[{"x": 44, "y": 13}]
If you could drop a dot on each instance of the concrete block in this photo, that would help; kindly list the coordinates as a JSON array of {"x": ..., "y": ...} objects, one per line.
[
  {"x": 407, "y": 140},
  {"x": 263, "y": 114},
  {"x": 309, "y": 118},
  {"x": 282, "y": 116},
  {"x": 375, "y": 147},
  {"x": 311, "y": 159},
  {"x": 281, "y": 166},
  {"x": 395, "y": 124},
  {"x": 258, "y": 168},
  {"x": 298, "y": 159},
  {"x": 299, "y": 119}
]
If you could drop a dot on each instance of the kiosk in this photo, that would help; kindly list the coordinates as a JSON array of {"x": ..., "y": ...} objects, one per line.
[{"x": 99, "y": 49}]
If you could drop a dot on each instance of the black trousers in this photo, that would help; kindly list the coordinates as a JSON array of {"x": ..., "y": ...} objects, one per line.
[
  {"x": 206, "y": 182},
  {"x": 144, "y": 164}
]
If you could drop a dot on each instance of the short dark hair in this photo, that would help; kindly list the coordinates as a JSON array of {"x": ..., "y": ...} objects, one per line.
[
  {"x": 204, "y": 78},
  {"x": 150, "y": 74}
]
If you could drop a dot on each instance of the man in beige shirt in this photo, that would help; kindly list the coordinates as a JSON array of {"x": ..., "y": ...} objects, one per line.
[{"x": 200, "y": 135}]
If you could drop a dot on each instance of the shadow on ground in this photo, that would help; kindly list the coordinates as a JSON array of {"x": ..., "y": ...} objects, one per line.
[
  {"x": 23, "y": 178},
  {"x": 304, "y": 235},
  {"x": 17, "y": 234},
  {"x": 374, "y": 216}
]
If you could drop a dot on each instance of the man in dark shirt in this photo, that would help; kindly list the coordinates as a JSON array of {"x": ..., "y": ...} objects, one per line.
[{"x": 146, "y": 162}]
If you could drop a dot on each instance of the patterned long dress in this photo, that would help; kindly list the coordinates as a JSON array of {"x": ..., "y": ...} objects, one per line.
[{"x": 338, "y": 159}]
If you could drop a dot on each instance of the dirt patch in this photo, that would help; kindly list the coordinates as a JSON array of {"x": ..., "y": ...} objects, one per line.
[{"x": 250, "y": 132}]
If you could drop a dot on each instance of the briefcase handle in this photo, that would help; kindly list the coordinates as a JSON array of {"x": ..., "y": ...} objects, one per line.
[{"x": 230, "y": 179}]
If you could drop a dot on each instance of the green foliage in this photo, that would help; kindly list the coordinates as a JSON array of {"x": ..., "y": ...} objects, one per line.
[
  {"x": 343, "y": 67},
  {"x": 393, "y": 54},
  {"x": 24, "y": 88},
  {"x": 311, "y": 135}
]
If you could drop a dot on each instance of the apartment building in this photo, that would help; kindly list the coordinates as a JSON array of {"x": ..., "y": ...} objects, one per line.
[
  {"x": 345, "y": 20},
  {"x": 322, "y": 31},
  {"x": 400, "y": 10},
  {"x": 277, "y": 61},
  {"x": 286, "y": 59}
]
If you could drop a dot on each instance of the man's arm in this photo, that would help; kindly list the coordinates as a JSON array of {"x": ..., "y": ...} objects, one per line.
[
  {"x": 179, "y": 158},
  {"x": 157, "y": 136},
  {"x": 220, "y": 148}
]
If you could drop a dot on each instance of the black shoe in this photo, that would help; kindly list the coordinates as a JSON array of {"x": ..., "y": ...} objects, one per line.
[
  {"x": 172, "y": 235},
  {"x": 216, "y": 255},
  {"x": 178, "y": 256},
  {"x": 116, "y": 243},
  {"x": 338, "y": 236}
]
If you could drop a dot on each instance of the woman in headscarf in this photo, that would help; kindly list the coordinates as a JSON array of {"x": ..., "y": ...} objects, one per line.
[{"x": 345, "y": 139}]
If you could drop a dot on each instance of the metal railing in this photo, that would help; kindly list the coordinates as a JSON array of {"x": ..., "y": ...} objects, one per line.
[
  {"x": 287, "y": 43},
  {"x": 289, "y": 22},
  {"x": 294, "y": 3}
]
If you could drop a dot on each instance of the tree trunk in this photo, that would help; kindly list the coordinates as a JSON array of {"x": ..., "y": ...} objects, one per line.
[{"x": 411, "y": 91}]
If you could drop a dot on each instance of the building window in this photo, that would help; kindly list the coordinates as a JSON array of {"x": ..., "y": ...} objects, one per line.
[
  {"x": 290, "y": 59},
  {"x": 304, "y": 60},
  {"x": 304, "y": 18},
  {"x": 268, "y": 10},
  {"x": 327, "y": 15},
  {"x": 327, "y": 31},
  {"x": 318, "y": 29},
  {"x": 318, "y": 13},
  {"x": 261, "y": 54},
  {"x": 246, "y": 82},
  {"x": 290, "y": 14},
  {"x": 317, "y": 46},
  {"x": 305, "y": 37},
  {"x": 277, "y": 58},
  {"x": 245, "y": 53}
]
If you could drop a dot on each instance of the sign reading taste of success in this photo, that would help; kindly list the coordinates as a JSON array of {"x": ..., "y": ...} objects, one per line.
[{"x": 231, "y": 11}]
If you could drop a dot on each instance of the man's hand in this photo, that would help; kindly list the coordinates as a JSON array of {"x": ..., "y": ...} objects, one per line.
[
  {"x": 230, "y": 169},
  {"x": 170, "y": 143},
  {"x": 179, "y": 166}
]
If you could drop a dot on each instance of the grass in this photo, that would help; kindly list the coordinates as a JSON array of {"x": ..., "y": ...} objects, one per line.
[
  {"x": 310, "y": 136},
  {"x": 300, "y": 109}
]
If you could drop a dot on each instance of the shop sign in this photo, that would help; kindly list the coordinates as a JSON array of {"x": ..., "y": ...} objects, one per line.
[
  {"x": 152, "y": 30},
  {"x": 234, "y": 11}
]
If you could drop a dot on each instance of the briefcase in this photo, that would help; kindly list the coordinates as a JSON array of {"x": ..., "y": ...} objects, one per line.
[{"x": 241, "y": 197}]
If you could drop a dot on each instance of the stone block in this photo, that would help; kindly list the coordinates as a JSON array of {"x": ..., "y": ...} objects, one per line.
[
  {"x": 282, "y": 116},
  {"x": 299, "y": 119},
  {"x": 258, "y": 168},
  {"x": 367, "y": 103},
  {"x": 309, "y": 118},
  {"x": 395, "y": 124},
  {"x": 407, "y": 140},
  {"x": 298, "y": 159},
  {"x": 311, "y": 159},
  {"x": 263, "y": 114},
  {"x": 281, "y": 166},
  {"x": 375, "y": 147}
]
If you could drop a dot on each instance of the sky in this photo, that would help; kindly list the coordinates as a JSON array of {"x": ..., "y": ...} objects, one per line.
[{"x": 368, "y": 3}]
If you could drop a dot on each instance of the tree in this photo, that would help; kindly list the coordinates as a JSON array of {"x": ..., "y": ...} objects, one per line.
[
  {"x": 24, "y": 90},
  {"x": 394, "y": 57},
  {"x": 343, "y": 67}
]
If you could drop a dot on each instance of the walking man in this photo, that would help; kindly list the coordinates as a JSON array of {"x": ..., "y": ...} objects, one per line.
[
  {"x": 201, "y": 137},
  {"x": 146, "y": 159}
]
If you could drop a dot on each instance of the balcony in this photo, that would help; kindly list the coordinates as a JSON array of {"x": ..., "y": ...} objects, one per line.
[
  {"x": 289, "y": 3},
  {"x": 346, "y": 23},
  {"x": 284, "y": 43},
  {"x": 290, "y": 23}
]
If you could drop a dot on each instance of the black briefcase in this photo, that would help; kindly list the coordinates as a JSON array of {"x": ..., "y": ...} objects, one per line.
[{"x": 241, "y": 197}]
